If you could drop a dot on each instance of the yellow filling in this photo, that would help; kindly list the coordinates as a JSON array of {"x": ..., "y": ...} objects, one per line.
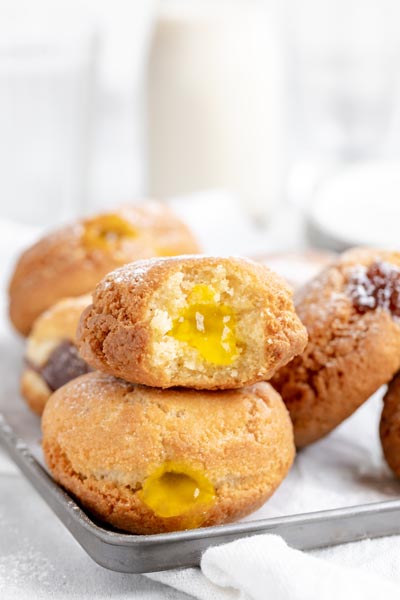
[
  {"x": 207, "y": 326},
  {"x": 106, "y": 232},
  {"x": 166, "y": 251},
  {"x": 175, "y": 489}
]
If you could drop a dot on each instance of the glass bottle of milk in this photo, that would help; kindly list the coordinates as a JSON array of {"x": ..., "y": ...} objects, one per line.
[{"x": 215, "y": 102}]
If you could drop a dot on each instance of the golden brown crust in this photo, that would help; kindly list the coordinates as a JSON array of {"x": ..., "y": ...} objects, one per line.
[
  {"x": 114, "y": 334},
  {"x": 390, "y": 425},
  {"x": 60, "y": 265},
  {"x": 55, "y": 325},
  {"x": 94, "y": 426},
  {"x": 349, "y": 354},
  {"x": 34, "y": 390}
]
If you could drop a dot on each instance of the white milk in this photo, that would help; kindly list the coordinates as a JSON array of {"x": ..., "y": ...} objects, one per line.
[
  {"x": 47, "y": 80},
  {"x": 215, "y": 102}
]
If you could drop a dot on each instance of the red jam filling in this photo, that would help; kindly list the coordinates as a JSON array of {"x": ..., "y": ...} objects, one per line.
[{"x": 376, "y": 286}]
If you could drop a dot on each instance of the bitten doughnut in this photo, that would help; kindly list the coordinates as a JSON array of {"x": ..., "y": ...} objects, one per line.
[
  {"x": 193, "y": 321},
  {"x": 352, "y": 315},
  {"x": 147, "y": 460},
  {"x": 72, "y": 260},
  {"x": 51, "y": 356},
  {"x": 390, "y": 425}
]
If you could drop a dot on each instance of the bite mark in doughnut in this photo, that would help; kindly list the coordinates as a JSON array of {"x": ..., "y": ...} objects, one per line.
[
  {"x": 208, "y": 327},
  {"x": 204, "y": 322}
]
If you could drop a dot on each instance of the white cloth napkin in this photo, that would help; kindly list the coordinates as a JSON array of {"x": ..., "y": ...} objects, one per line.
[{"x": 263, "y": 567}]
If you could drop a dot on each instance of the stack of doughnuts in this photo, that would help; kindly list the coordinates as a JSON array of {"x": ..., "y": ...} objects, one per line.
[
  {"x": 176, "y": 427},
  {"x": 169, "y": 408}
]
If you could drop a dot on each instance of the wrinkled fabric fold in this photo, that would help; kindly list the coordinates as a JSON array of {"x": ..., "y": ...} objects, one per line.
[{"x": 265, "y": 567}]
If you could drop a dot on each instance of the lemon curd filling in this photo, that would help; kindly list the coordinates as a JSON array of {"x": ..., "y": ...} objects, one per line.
[
  {"x": 166, "y": 251},
  {"x": 207, "y": 326},
  {"x": 106, "y": 232},
  {"x": 175, "y": 489}
]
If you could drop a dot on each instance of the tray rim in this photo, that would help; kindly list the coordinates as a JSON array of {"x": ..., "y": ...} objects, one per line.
[{"x": 75, "y": 518}]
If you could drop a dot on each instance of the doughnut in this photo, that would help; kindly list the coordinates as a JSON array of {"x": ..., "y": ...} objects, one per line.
[
  {"x": 72, "y": 260},
  {"x": 390, "y": 425},
  {"x": 147, "y": 460},
  {"x": 352, "y": 315},
  {"x": 194, "y": 321},
  {"x": 51, "y": 355}
]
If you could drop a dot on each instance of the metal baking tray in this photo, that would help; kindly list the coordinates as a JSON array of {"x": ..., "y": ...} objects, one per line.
[
  {"x": 20, "y": 433},
  {"x": 146, "y": 553}
]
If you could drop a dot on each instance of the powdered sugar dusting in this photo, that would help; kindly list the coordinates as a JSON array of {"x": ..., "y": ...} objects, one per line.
[
  {"x": 26, "y": 565},
  {"x": 136, "y": 271},
  {"x": 130, "y": 272},
  {"x": 375, "y": 286}
]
